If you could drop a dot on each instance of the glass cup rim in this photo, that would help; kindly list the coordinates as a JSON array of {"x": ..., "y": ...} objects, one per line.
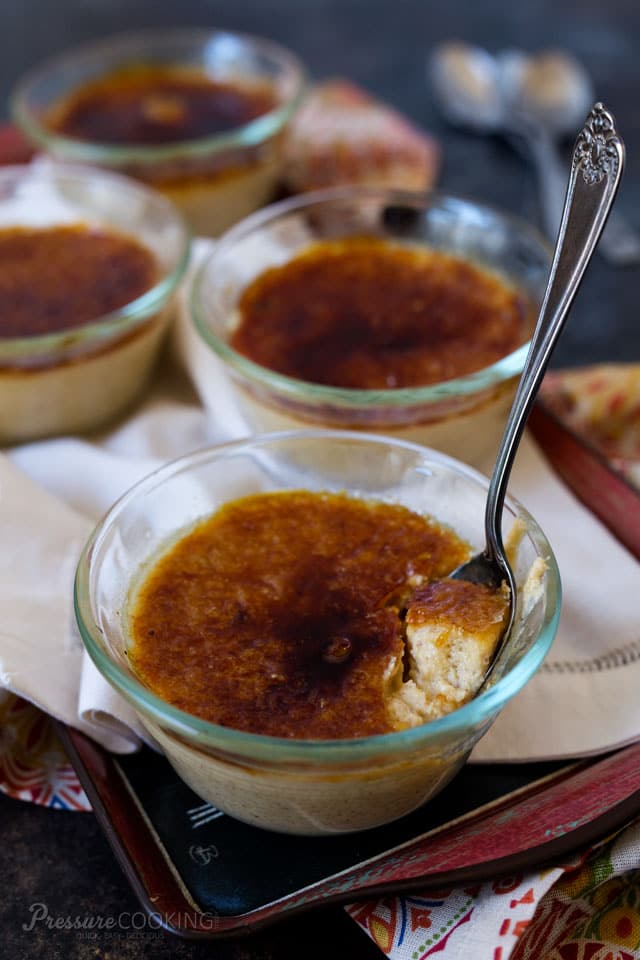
[
  {"x": 467, "y": 386},
  {"x": 249, "y": 134},
  {"x": 203, "y": 732},
  {"x": 117, "y": 322}
]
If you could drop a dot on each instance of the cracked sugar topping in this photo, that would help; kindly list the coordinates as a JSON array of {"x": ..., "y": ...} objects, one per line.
[
  {"x": 62, "y": 277},
  {"x": 273, "y": 615},
  {"x": 364, "y": 312},
  {"x": 153, "y": 105}
]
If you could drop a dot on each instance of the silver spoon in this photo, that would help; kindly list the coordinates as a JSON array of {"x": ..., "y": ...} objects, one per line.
[
  {"x": 537, "y": 99},
  {"x": 596, "y": 168}
]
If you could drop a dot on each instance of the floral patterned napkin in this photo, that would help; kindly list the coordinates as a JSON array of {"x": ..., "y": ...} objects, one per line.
[
  {"x": 33, "y": 763},
  {"x": 601, "y": 403},
  {"x": 588, "y": 909}
]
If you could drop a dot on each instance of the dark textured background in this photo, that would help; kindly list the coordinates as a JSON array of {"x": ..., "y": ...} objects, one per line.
[{"x": 62, "y": 859}]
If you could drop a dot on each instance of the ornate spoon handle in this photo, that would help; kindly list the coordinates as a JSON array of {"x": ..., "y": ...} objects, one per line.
[
  {"x": 596, "y": 169},
  {"x": 619, "y": 243}
]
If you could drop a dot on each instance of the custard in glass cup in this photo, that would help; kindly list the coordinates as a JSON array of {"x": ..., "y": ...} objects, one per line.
[
  {"x": 409, "y": 315},
  {"x": 89, "y": 261},
  {"x": 285, "y": 783},
  {"x": 198, "y": 114}
]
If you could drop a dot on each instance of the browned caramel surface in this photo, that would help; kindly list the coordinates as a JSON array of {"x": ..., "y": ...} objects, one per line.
[
  {"x": 156, "y": 105},
  {"x": 363, "y": 312},
  {"x": 471, "y": 607},
  {"x": 58, "y": 278},
  {"x": 268, "y": 617}
]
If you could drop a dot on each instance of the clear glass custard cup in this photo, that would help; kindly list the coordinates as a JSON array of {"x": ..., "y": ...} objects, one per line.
[
  {"x": 215, "y": 170},
  {"x": 293, "y": 785},
  {"x": 462, "y": 416},
  {"x": 70, "y": 379}
]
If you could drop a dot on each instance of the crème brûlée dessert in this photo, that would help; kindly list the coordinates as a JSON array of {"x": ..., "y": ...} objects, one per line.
[
  {"x": 55, "y": 283},
  {"x": 314, "y": 616},
  {"x": 371, "y": 309},
  {"x": 279, "y": 613},
  {"x": 159, "y": 107}
]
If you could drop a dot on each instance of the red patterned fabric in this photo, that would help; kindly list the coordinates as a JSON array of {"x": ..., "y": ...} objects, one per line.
[
  {"x": 585, "y": 910},
  {"x": 33, "y": 763}
]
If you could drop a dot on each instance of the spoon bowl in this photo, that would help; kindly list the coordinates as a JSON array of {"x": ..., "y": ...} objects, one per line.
[
  {"x": 533, "y": 101},
  {"x": 490, "y": 94},
  {"x": 466, "y": 83},
  {"x": 553, "y": 87}
]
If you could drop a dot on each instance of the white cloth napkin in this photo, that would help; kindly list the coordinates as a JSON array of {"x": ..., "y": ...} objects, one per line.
[{"x": 583, "y": 700}]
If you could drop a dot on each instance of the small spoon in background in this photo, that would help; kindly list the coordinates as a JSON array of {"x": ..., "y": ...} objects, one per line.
[
  {"x": 556, "y": 91},
  {"x": 537, "y": 99},
  {"x": 596, "y": 168}
]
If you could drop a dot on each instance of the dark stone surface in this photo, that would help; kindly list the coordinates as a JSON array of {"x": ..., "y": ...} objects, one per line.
[
  {"x": 62, "y": 859},
  {"x": 60, "y": 862}
]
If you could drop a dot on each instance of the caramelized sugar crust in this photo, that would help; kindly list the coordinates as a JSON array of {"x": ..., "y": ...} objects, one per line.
[
  {"x": 459, "y": 604},
  {"x": 267, "y": 617},
  {"x": 59, "y": 278},
  {"x": 155, "y": 105},
  {"x": 367, "y": 313}
]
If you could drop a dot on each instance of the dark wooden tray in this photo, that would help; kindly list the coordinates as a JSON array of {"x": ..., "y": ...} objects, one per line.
[{"x": 199, "y": 873}]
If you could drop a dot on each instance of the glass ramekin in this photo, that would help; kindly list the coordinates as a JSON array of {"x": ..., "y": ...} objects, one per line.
[
  {"x": 463, "y": 417},
  {"x": 215, "y": 180},
  {"x": 78, "y": 379},
  {"x": 305, "y": 786}
]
